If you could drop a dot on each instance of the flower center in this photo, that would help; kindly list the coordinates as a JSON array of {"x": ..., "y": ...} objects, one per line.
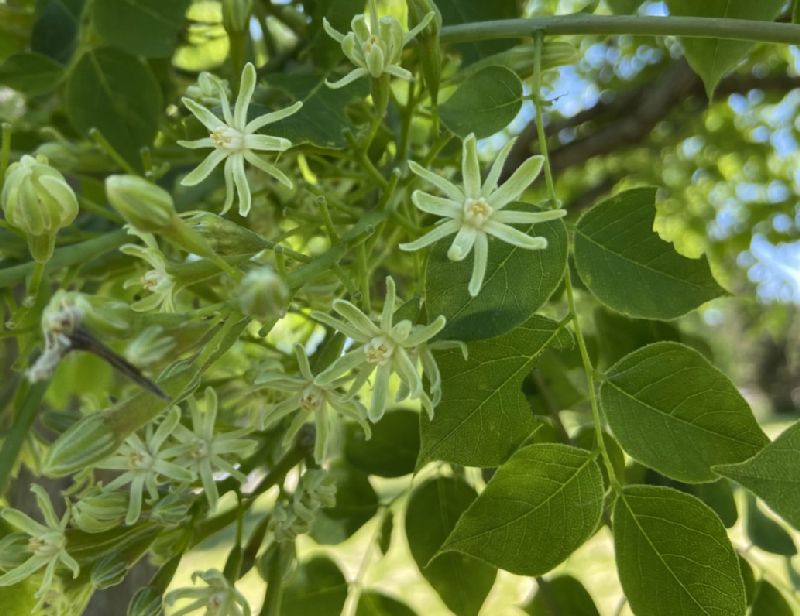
[
  {"x": 227, "y": 138},
  {"x": 45, "y": 546},
  {"x": 138, "y": 461},
  {"x": 216, "y": 601},
  {"x": 200, "y": 450},
  {"x": 311, "y": 398},
  {"x": 379, "y": 350},
  {"x": 476, "y": 211},
  {"x": 154, "y": 281}
]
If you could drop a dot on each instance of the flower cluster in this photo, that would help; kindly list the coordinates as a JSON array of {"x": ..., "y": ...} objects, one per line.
[
  {"x": 157, "y": 281},
  {"x": 235, "y": 140},
  {"x": 476, "y": 210},
  {"x": 317, "y": 490},
  {"x": 219, "y": 597}
]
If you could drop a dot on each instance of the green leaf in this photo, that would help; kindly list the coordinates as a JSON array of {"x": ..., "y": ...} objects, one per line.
[
  {"x": 325, "y": 51},
  {"x": 466, "y": 11},
  {"x": 772, "y": 474},
  {"x": 673, "y": 411},
  {"x": 586, "y": 438},
  {"x": 630, "y": 269},
  {"x": 620, "y": 335},
  {"x": 537, "y": 509},
  {"x": 322, "y": 119},
  {"x": 318, "y": 587},
  {"x": 518, "y": 282},
  {"x": 562, "y": 595},
  {"x": 712, "y": 58},
  {"x": 18, "y": 600},
  {"x": 769, "y": 601},
  {"x": 765, "y": 533},
  {"x": 484, "y": 104},
  {"x": 387, "y": 527},
  {"x": 748, "y": 578},
  {"x": 673, "y": 555},
  {"x": 55, "y": 31},
  {"x": 116, "y": 93},
  {"x": 373, "y": 603},
  {"x": 483, "y": 415},
  {"x": 31, "y": 73},
  {"x": 624, "y": 7},
  {"x": 356, "y": 504},
  {"x": 147, "y": 28},
  {"x": 433, "y": 509},
  {"x": 393, "y": 449}
]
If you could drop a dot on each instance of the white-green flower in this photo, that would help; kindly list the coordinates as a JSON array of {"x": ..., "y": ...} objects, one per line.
[
  {"x": 374, "y": 45},
  {"x": 47, "y": 545},
  {"x": 145, "y": 464},
  {"x": 218, "y": 598},
  {"x": 475, "y": 210},
  {"x": 203, "y": 451},
  {"x": 384, "y": 347},
  {"x": 317, "y": 490},
  {"x": 235, "y": 140},
  {"x": 308, "y": 397},
  {"x": 157, "y": 281}
]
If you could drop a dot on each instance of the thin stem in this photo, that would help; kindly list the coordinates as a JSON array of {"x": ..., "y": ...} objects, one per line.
[
  {"x": 5, "y": 149},
  {"x": 35, "y": 282},
  {"x": 28, "y": 401},
  {"x": 697, "y": 27},
  {"x": 537, "y": 101},
  {"x": 110, "y": 151}
]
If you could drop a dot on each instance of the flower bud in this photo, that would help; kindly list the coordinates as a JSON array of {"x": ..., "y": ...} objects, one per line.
[
  {"x": 429, "y": 49},
  {"x": 263, "y": 294},
  {"x": 108, "y": 571},
  {"x": 224, "y": 236},
  {"x": 172, "y": 509},
  {"x": 236, "y": 15},
  {"x": 146, "y": 602},
  {"x": 149, "y": 347},
  {"x": 13, "y": 550},
  {"x": 37, "y": 200},
  {"x": 88, "y": 441},
  {"x": 144, "y": 205},
  {"x": 100, "y": 511},
  {"x": 207, "y": 89}
]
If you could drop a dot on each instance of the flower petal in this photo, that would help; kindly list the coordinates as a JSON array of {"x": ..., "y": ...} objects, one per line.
[
  {"x": 229, "y": 185},
  {"x": 247, "y": 86},
  {"x": 516, "y": 184},
  {"x": 332, "y": 32},
  {"x": 514, "y": 236},
  {"x": 341, "y": 366},
  {"x": 462, "y": 245},
  {"x": 242, "y": 186},
  {"x": 479, "y": 264},
  {"x": 208, "y": 119},
  {"x": 202, "y": 171},
  {"x": 360, "y": 321},
  {"x": 497, "y": 168},
  {"x": 272, "y": 117},
  {"x": 445, "y": 186},
  {"x": 388, "y": 305},
  {"x": 438, "y": 232},
  {"x": 438, "y": 206},
  {"x": 339, "y": 325},
  {"x": 356, "y": 73},
  {"x": 399, "y": 72},
  {"x": 471, "y": 168},
  {"x": 268, "y": 168},
  {"x": 380, "y": 392},
  {"x": 205, "y": 142},
  {"x": 423, "y": 333},
  {"x": 514, "y": 217}
]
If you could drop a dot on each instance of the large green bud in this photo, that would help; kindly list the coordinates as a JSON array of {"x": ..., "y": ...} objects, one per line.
[
  {"x": 147, "y": 207},
  {"x": 429, "y": 51},
  {"x": 263, "y": 294},
  {"x": 37, "y": 201}
]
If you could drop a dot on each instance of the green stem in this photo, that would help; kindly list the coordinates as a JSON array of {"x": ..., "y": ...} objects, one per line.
[
  {"x": 28, "y": 403},
  {"x": 35, "y": 281},
  {"x": 697, "y": 27},
  {"x": 537, "y": 101},
  {"x": 5, "y": 149},
  {"x": 275, "y": 574},
  {"x": 110, "y": 151}
]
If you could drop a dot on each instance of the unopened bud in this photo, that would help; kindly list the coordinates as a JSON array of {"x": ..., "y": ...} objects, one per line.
[
  {"x": 14, "y": 550},
  {"x": 224, "y": 236},
  {"x": 149, "y": 347},
  {"x": 429, "y": 50},
  {"x": 263, "y": 294},
  {"x": 100, "y": 511},
  {"x": 108, "y": 571},
  {"x": 146, "y": 602},
  {"x": 87, "y": 442},
  {"x": 207, "y": 89},
  {"x": 173, "y": 508},
  {"x": 144, "y": 205},
  {"x": 236, "y": 15},
  {"x": 37, "y": 200}
]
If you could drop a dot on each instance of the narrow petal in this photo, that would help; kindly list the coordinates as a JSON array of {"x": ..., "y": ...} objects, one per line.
[
  {"x": 514, "y": 217},
  {"x": 202, "y": 171},
  {"x": 462, "y": 245},
  {"x": 268, "y": 168},
  {"x": 22, "y": 522},
  {"x": 272, "y": 117},
  {"x": 267, "y": 143},
  {"x": 302, "y": 362},
  {"x": 247, "y": 86},
  {"x": 423, "y": 333},
  {"x": 445, "y": 186},
  {"x": 322, "y": 423},
  {"x": 514, "y": 236},
  {"x": 332, "y": 32},
  {"x": 438, "y": 206},
  {"x": 70, "y": 563},
  {"x": 388, "y": 305},
  {"x": 339, "y": 325},
  {"x": 380, "y": 392},
  {"x": 497, "y": 168},
  {"x": 229, "y": 185},
  {"x": 208, "y": 119},
  {"x": 342, "y": 366},
  {"x": 471, "y": 168},
  {"x": 431, "y": 237},
  {"x": 357, "y": 319},
  {"x": 479, "y": 264},
  {"x": 418, "y": 28},
  {"x": 205, "y": 142},
  {"x": 226, "y": 107},
  {"x": 408, "y": 372},
  {"x": 277, "y": 412},
  {"x": 399, "y": 71},
  {"x": 516, "y": 184},
  {"x": 242, "y": 186},
  {"x": 26, "y": 569},
  {"x": 356, "y": 73}
]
